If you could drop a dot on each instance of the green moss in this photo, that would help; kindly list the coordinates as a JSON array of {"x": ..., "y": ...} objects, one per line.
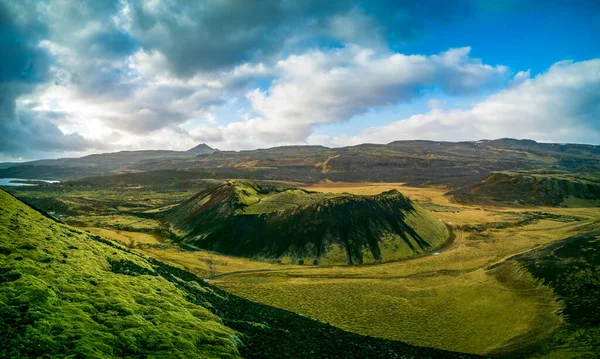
[{"x": 62, "y": 292}]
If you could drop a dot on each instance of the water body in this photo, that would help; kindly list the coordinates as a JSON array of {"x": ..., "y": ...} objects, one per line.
[{"x": 9, "y": 182}]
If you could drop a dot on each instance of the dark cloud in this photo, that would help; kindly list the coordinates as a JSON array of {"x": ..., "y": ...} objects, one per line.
[
  {"x": 205, "y": 36},
  {"x": 90, "y": 46},
  {"x": 23, "y": 65},
  {"x": 22, "y": 62},
  {"x": 104, "y": 82},
  {"x": 113, "y": 43},
  {"x": 210, "y": 35},
  {"x": 29, "y": 132}
]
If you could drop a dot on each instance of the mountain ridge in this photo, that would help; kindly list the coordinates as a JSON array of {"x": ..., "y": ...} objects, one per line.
[{"x": 452, "y": 164}]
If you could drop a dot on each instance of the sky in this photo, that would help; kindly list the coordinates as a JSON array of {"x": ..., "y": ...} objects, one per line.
[{"x": 88, "y": 76}]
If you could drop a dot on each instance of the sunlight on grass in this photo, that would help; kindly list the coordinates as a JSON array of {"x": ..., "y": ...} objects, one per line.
[{"x": 65, "y": 292}]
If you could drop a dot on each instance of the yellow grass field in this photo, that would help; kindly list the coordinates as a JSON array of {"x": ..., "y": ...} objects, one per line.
[
  {"x": 437, "y": 300},
  {"x": 450, "y": 299},
  {"x": 202, "y": 263}
]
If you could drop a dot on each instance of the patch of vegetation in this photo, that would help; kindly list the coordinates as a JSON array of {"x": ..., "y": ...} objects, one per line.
[
  {"x": 449, "y": 310},
  {"x": 572, "y": 268},
  {"x": 523, "y": 219},
  {"x": 438, "y": 208}
]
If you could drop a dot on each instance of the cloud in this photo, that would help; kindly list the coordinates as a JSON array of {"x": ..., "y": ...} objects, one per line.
[
  {"x": 322, "y": 87},
  {"x": 127, "y": 74},
  {"x": 23, "y": 66},
  {"x": 115, "y": 42},
  {"x": 559, "y": 105},
  {"x": 142, "y": 98},
  {"x": 214, "y": 35},
  {"x": 26, "y": 134}
]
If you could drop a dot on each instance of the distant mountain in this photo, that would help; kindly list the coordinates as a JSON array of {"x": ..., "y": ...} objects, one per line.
[
  {"x": 4, "y": 165},
  {"x": 202, "y": 149},
  {"x": 291, "y": 224},
  {"x": 91, "y": 165},
  {"x": 453, "y": 164}
]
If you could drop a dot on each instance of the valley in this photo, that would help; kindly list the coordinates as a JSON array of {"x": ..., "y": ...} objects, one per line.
[
  {"x": 68, "y": 293},
  {"x": 435, "y": 265},
  {"x": 436, "y": 299}
]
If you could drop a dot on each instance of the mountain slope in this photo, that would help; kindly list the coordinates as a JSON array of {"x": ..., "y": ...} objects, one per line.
[
  {"x": 91, "y": 165},
  {"x": 246, "y": 219},
  {"x": 550, "y": 189},
  {"x": 66, "y": 293}
]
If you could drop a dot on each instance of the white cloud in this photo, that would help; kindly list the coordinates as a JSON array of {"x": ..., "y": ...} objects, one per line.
[
  {"x": 152, "y": 100},
  {"x": 434, "y": 103},
  {"x": 321, "y": 87},
  {"x": 560, "y": 105}
]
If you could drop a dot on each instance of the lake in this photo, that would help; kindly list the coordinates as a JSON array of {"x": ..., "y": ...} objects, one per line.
[{"x": 8, "y": 182}]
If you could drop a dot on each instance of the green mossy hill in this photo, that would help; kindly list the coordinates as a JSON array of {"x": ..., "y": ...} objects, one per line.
[
  {"x": 67, "y": 294},
  {"x": 531, "y": 189},
  {"x": 63, "y": 293},
  {"x": 251, "y": 220},
  {"x": 572, "y": 268}
]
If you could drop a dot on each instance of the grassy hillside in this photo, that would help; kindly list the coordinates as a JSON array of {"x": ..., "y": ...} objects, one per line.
[
  {"x": 247, "y": 219},
  {"x": 64, "y": 293},
  {"x": 67, "y": 293},
  {"x": 534, "y": 189}
]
